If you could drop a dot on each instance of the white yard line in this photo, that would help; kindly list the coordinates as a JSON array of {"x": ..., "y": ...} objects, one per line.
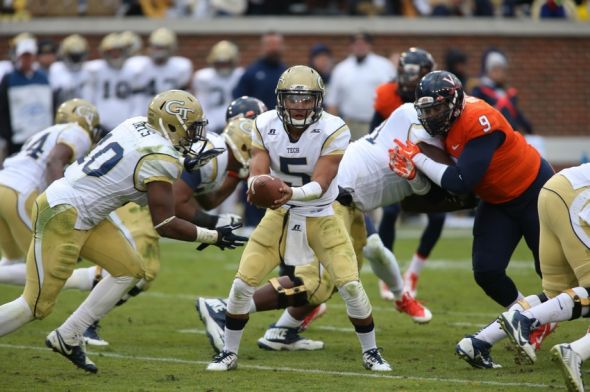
[{"x": 300, "y": 370}]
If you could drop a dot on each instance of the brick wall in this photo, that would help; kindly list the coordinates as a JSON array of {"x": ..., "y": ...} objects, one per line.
[{"x": 551, "y": 74}]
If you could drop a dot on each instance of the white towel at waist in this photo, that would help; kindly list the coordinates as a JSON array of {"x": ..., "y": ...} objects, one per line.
[{"x": 297, "y": 249}]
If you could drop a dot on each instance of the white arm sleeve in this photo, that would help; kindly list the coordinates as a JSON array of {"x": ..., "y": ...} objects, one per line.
[{"x": 430, "y": 168}]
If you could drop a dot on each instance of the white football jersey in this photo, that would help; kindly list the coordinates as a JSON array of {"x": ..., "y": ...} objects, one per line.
[
  {"x": 214, "y": 91},
  {"x": 68, "y": 84},
  {"x": 115, "y": 172},
  {"x": 209, "y": 177},
  {"x": 150, "y": 79},
  {"x": 111, "y": 91},
  {"x": 364, "y": 169},
  {"x": 25, "y": 171},
  {"x": 295, "y": 161}
]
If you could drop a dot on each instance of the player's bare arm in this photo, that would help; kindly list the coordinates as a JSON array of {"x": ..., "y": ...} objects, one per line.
[
  {"x": 213, "y": 199},
  {"x": 61, "y": 154}
]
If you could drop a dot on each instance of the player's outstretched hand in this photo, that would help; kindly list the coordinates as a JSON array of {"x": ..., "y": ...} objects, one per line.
[
  {"x": 286, "y": 194},
  {"x": 194, "y": 162},
  {"x": 228, "y": 219},
  {"x": 403, "y": 167},
  {"x": 226, "y": 238},
  {"x": 407, "y": 149}
]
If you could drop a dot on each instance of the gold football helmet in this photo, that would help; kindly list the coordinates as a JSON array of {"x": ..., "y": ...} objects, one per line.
[
  {"x": 162, "y": 44},
  {"x": 300, "y": 94},
  {"x": 178, "y": 116},
  {"x": 81, "y": 112},
  {"x": 133, "y": 42},
  {"x": 224, "y": 56},
  {"x": 73, "y": 50},
  {"x": 238, "y": 136},
  {"x": 112, "y": 49}
]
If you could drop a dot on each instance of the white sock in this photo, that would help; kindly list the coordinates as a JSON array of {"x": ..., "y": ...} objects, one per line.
[
  {"x": 367, "y": 340},
  {"x": 558, "y": 308},
  {"x": 81, "y": 279},
  {"x": 492, "y": 333},
  {"x": 252, "y": 307},
  {"x": 232, "y": 340},
  {"x": 4, "y": 261},
  {"x": 287, "y": 321},
  {"x": 14, "y": 315},
  {"x": 13, "y": 273},
  {"x": 98, "y": 303},
  {"x": 519, "y": 297},
  {"x": 384, "y": 264},
  {"x": 582, "y": 347},
  {"x": 416, "y": 264}
]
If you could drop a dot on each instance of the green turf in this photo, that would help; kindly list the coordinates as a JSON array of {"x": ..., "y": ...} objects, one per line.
[{"x": 157, "y": 341}]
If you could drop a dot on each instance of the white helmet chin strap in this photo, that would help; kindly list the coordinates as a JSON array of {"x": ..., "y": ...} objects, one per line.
[{"x": 163, "y": 131}]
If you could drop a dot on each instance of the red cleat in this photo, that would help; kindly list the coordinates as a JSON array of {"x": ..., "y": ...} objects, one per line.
[
  {"x": 539, "y": 334},
  {"x": 413, "y": 308},
  {"x": 315, "y": 314}
]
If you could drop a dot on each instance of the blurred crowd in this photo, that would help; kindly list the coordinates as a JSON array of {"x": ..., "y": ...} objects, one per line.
[
  {"x": 40, "y": 74},
  {"x": 561, "y": 9}
]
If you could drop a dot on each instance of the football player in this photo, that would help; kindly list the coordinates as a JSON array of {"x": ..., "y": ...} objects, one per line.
[
  {"x": 160, "y": 70},
  {"x": 138, "y": 161},
  {"x": 245, "y": 106},
  {"x": 41, "y": 160},
  {"x": 110, "y": 83},
  {"x": 365, "y": 183},
  {"x": 413, "y": 64},
  {"x": 68, "y": 78},
  {"x": 303, "y": 146},
  {"x": 202, "y": 188},
  {"x": 213, "y": 85},
  {"x": 494, "y": 162},
  {"x": 133, "y": 43},
  {"x": 564, "y": 215}
]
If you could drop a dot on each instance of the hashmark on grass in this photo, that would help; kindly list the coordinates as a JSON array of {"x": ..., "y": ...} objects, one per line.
[{"x": 298, "y": 370}]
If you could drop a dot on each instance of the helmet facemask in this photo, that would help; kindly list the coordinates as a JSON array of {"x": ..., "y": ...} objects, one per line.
[
  {"x": 183, "y": 139},
  {"x": 435, "y": 114},
  {"x": 299, "y": 108},
  {"x": 408, "y": 77}
]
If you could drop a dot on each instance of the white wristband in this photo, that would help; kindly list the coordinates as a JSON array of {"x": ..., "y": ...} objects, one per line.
[
  {"x": 206, "y": 236},
  {"x": 430, "y": 168},
  {"x": 310, "y": 191}
]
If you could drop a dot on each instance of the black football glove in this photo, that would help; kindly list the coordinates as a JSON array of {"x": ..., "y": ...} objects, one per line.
[
  {"x": 194, "y": 162},
  {"x": 226, "y": 238}
]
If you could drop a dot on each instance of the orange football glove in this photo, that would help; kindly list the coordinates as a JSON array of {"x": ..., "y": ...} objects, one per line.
[
  {"x": 403, "y": 167},
  {"x": 409, "y": 149}
]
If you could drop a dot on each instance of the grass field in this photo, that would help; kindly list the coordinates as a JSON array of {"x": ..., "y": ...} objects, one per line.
[{"x": 157, "y": 342}]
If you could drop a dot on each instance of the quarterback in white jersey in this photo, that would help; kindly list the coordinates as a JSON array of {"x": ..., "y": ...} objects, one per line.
[
  {"x": 138, "y": 162},
  {"x": 302, "y": 145},
  {"x": 27, "y": 173},
  {"x": 213, "y": 85}
]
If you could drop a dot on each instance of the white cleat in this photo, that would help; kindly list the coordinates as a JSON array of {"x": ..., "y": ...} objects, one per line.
[
  {"x": 212, "y": 314},
  {"x": 372, "y": 360},
  {"x": 76, "y": 353},
  {"x": 570, "y": 363},
  {"x": 287, "y": 339},
  {"x": 223, "y": 362}
]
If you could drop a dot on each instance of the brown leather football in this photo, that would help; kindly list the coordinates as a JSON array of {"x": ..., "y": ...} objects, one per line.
[{"x": 265, "y": 190}]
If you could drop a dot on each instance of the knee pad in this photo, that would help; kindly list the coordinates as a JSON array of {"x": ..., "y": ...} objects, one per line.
[
  {"x": 580, "y": 297},
  {"x": 294, "y": 296},
  {"x": 357, "y": 302},
  {"x": 240, "y": 297}
]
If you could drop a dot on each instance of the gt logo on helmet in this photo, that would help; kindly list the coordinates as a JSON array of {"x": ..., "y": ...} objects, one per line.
[{"x": 177, "y": 107}]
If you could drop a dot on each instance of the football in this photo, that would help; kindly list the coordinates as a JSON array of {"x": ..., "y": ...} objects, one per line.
[
  {"x": 436, "y": 154},
  {"x": 265, "y": 190}
]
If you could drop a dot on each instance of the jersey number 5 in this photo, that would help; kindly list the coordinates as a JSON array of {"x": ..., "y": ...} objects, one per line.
[{"x": 286, "y": 165}]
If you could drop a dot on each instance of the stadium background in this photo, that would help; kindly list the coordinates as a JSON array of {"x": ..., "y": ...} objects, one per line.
[{"x": 548, "y": 60}]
